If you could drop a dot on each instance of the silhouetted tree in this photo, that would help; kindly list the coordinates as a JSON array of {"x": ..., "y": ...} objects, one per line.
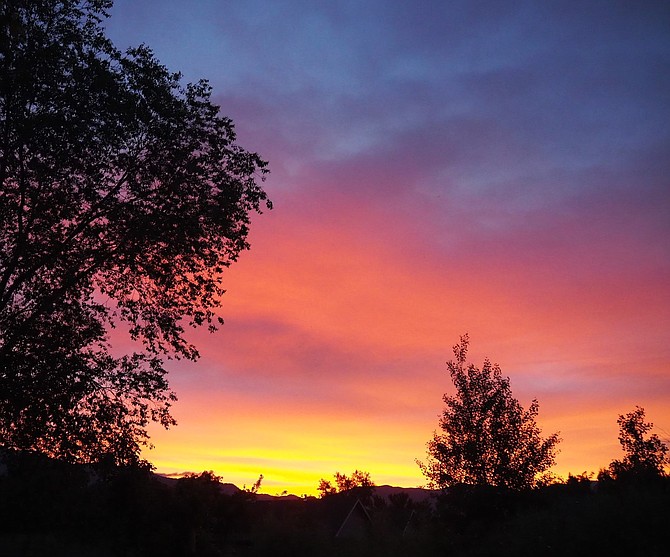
[
  {"x": 251, "y": 492},
  {"x": 358, "y": 480},
  {"x": 123, "y": 197},
  {"x": 645, "y": 454},
  {"x": 487, "y": 438},
  {"x": 326, "y": 488}
]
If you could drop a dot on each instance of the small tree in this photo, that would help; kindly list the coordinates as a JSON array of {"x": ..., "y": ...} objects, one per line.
[
  {"x": 343, "y": 483},
  {"x": 487, "y": 437},
  {"x": 645, "y": 455}
]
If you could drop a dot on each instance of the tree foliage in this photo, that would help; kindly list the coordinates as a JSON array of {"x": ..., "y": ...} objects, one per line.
[
  {"x": 344, "y": 483},
  {"x": 645, "y": 455},
  {"x": 123, "y": 197},
  {"x": 487, "y": 438}
]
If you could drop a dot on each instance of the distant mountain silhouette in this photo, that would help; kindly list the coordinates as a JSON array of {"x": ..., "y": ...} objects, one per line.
[
  {"x": 415, "y": 494},
  {"x": 225, "y": 488},
  {"x": 267, "y": 497}
]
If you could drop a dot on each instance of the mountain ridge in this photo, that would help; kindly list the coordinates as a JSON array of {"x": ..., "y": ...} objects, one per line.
[{"x": 415, "y": 494}]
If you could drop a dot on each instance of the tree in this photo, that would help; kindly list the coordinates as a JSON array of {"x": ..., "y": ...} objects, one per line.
[
  {"x": 487, "y": 438},
  {"x": 123, "y": 197},
  {"x": 645, "y": 455},
  {"x": 358, "y": 480}
]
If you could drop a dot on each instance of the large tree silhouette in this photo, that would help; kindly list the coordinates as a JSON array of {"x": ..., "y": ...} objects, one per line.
[
  {"x": 123, "y": 197},
  {"x": 487, "y": 437}
]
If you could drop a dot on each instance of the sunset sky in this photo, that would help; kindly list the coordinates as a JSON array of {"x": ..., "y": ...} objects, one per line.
[{"x": 437, "y": 167}]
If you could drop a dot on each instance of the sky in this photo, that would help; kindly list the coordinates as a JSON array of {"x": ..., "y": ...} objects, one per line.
[{"x": 437, "y": 168}]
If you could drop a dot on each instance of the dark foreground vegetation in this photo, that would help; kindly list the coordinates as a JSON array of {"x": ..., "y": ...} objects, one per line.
[{"x": 51, "y": 508}]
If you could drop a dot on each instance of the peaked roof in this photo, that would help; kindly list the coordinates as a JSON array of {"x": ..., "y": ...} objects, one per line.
[{"x": 356, "y": 523}]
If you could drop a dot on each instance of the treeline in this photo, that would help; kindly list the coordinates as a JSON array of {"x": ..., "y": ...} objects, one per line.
[{"x": 52, "y": 508}]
